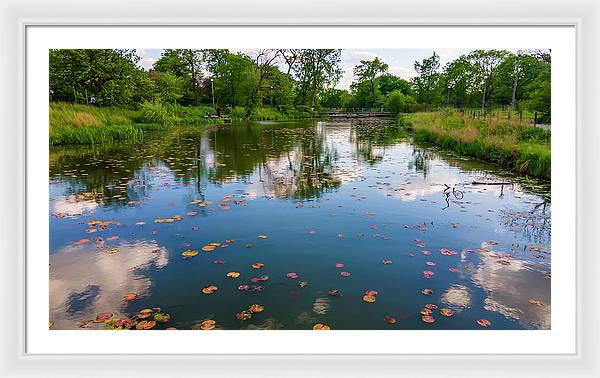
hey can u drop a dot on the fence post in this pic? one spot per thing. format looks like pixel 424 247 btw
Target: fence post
pixel 534 119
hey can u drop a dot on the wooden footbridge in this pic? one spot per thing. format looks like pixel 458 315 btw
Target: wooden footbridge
pixel 355 113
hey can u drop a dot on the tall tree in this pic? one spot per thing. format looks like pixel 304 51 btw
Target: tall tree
pixel 264 60
pixel 486 62
pixel 185 63
pixel 107 75
pixel 317 69
pixel 368 70
pixel 426 84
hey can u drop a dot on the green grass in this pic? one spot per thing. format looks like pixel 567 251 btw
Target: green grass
pixel 521 148
pixel 81 124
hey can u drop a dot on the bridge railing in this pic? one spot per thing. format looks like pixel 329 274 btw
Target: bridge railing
pixel 354 110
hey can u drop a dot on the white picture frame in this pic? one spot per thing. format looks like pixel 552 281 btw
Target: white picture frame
pixel 584 16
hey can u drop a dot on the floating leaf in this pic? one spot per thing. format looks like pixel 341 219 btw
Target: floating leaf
pixel 302 283
pixel 145 324
pixel 208 325
pixel 425 311
pixel 263 236
pixel 369 298
pixel 428 274
pixel 140 223
pixel 129 297
pixel 321 327
pixel 484 322
pixel 339 265
pixel 312 232
pixel 446 312
pixel 256 308
pixel 371 292
pixel 162 317
pixel 345 274
pixel 209 289
pixel 189 253
pixel 101 318
pixel 145 313
pixel 111 251
pixel 447 252
pixel 258 265
pixel 428 319
pixel 233 274
pixel 243 287
pixel 219 262
pixel 208 248
pixel 431 306
pixel 166 220
pixel 244 315
pixel 536 302
pixel 389 320
pixel 387 262
pixel 292 275
pixel 334 292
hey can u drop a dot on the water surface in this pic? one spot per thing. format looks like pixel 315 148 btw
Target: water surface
pixel 319 194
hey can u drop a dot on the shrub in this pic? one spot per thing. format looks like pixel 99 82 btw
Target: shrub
pixel 396 102
pixel 534 134
pixel 158 112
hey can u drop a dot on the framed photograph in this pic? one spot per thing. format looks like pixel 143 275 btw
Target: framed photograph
pixel 200 191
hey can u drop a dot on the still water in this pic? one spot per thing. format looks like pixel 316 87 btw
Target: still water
pixel 346 224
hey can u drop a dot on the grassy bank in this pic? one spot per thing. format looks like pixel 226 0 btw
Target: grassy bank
pixel 80 124
pixel 521 148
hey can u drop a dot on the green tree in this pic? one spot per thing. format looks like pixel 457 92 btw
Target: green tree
pixel 170 87
pixel 315 70
pixel 426 84
pixel 388 83
pixel 368 70
pixel 396 102
pixel 184 63
pixel 234 77
pixel 485 63
pixel 109 76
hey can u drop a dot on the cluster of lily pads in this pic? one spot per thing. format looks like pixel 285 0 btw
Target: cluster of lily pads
pixel 143 320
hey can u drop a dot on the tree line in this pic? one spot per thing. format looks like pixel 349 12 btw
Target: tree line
pixel 482 79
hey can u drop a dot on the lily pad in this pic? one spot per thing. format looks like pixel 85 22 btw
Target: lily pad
pixel 145 324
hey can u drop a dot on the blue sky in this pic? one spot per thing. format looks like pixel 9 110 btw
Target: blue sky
pixel 400 61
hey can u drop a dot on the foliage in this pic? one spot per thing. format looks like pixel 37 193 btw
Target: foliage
pixel 104 76
pixel 426 84
pixel 315 70
pixel 500 141
pixel 396 102
pixel 158 112
pixel 187 65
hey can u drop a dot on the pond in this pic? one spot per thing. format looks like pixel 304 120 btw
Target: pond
pixel 348 224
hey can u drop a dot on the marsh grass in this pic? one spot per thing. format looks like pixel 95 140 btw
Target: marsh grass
pixel 514 145
pixel 81 124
